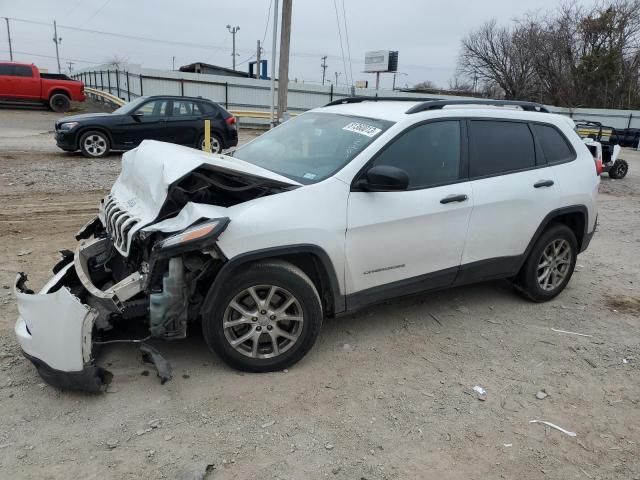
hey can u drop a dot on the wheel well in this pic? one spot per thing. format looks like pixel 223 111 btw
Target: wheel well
pixel 96 129
pixel 575 221
pixel 63 92
pixel 313 266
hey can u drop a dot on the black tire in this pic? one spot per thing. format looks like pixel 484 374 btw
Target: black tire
pixel 619 169
pixel 527 281
pixel 283 276
pixel 216 143
pixel 59 102
pixel 94 144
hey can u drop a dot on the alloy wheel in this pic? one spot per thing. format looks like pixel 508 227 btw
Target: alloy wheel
pixel 263 321
pixel 554 264
pixel 95 145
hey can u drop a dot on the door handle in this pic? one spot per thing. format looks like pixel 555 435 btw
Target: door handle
pixel 543 183
pixel 454 198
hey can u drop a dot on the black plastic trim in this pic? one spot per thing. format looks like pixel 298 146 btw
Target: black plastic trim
pixel 430 281
pixel 90 379
pixel 327 270
pixel 439 104
pixel 490 269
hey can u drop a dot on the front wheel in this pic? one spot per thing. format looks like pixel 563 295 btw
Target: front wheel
pixel 94 144
pixel 550 264
pixel 264 318
pixel 619 169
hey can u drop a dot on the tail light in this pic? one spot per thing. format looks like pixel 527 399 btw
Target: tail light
pixel 231 121
pixel 598 162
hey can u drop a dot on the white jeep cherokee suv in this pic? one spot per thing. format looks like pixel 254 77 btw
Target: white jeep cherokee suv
pixel 343 206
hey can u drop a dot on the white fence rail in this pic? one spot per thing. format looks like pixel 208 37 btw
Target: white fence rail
pixel 131 81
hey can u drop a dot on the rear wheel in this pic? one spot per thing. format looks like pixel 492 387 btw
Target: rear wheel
pixel 59 102
pixel 216 143
pixel 94 144
pixel 619 169
pixel 263 319
pixel 550 264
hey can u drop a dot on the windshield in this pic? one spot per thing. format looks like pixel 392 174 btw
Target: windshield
pixel 129 107
pixel 312 146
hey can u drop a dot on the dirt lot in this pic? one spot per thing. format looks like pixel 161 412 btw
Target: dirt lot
pixel 385 394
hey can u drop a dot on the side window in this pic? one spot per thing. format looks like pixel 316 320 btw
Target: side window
pixel 429 153
pixel 497 147
pixel 554 145
pixel 185 108
pixel 154 108
pixel 22 71
pixel 6 69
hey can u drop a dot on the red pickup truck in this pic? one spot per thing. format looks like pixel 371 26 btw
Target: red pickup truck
pixel 24 82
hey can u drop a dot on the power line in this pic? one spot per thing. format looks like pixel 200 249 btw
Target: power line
pixel 53 56
pixel 266 27
pixel 344 63
pixel 346 34
pixel 97 12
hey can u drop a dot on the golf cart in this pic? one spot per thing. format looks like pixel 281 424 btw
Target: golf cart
pixel 603 144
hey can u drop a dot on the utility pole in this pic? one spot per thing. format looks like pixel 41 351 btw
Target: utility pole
pixel 173 62
pixel 324 68
pixel 283 67
pixel 273 63
pixel 233 32
pixel 9 36
pixel 57 40
pixel 71 64
pixel 258 52
pixel 337 75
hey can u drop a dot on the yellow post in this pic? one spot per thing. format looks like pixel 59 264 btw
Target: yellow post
pixel 207 136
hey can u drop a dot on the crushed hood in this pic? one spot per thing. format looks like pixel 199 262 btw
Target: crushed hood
pixel 150 169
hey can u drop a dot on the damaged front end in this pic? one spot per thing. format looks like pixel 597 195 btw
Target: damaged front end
pixel 142 268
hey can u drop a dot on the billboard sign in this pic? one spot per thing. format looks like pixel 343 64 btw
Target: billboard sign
pixel 376 61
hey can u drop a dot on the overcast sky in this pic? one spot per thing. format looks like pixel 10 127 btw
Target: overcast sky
pixel 426 33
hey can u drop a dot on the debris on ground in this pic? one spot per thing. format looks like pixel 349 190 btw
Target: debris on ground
pixel 552 425
pixel 329 446
pixel 194 471
pixel 571 333
pixel 542 394
pixel 23 253
pixel 270 423
pixel 481 393
pixel 163 367
pixel 112 443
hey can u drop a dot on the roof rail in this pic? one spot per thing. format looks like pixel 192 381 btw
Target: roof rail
pixel 346 100
pixel 439 104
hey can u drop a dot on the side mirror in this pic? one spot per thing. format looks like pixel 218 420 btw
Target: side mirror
pixel 137 116
pixel 385 178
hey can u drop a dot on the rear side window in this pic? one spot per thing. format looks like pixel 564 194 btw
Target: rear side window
pixel 554 145
pixel 498 147
pixel 6 69
pixel 22 71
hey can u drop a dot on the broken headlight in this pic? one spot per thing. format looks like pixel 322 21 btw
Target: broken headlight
pixel 201 234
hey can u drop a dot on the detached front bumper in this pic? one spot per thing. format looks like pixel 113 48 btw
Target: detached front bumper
pixel 54 329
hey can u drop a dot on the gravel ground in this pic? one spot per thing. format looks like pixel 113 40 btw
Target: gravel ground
pixel 385 393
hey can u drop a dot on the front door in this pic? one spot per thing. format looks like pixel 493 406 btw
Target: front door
pixel 405 241
pixel 148 122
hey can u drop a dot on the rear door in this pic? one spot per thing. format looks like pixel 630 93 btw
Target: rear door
pixel 513 190
pixel 405 241
pixel 184 123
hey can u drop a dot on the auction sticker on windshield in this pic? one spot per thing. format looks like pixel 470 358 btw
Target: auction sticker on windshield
pixel 362 129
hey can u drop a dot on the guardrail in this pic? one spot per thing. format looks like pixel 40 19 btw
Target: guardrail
pixel 104 96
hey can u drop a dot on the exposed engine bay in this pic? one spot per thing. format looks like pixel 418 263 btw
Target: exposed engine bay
pixel 129 268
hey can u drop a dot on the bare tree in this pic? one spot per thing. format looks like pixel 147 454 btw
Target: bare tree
pixel 426 85
pixel 116 60
pixel 494 54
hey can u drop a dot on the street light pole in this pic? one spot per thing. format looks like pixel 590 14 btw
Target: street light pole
pixel 337 75
pixel 233 32
pixel 283 65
